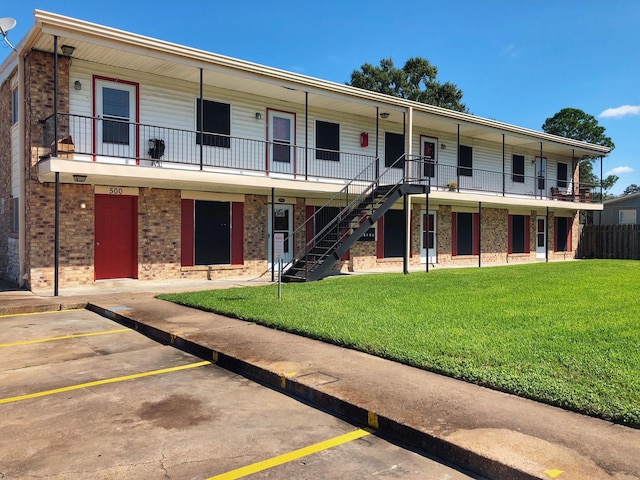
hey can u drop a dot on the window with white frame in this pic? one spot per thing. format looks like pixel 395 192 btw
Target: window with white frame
pixel 627 216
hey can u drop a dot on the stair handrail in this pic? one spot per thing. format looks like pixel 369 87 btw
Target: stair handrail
pixel 348 208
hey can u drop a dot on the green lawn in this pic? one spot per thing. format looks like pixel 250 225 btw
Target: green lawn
pixel 563 333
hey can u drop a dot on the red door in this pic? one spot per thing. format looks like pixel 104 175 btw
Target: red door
pixel 115 237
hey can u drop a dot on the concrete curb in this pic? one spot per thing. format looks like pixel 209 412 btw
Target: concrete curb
pixel 462 457
pixel 26 309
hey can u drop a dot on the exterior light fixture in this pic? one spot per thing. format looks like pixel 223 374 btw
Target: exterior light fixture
pixel 83 204
pixel 77 85
pixel 258 116
pixel 384 115
pixel 79 178
pixel 67 50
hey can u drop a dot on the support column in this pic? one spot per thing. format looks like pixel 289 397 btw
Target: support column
pixel 503 167
pixel 546 250
pixel 458 160
pixel 427 227
pixel 273 243
pixel 201 130
pixel 56 235
pixel 407 234
pixel 479 234
pixel 306 135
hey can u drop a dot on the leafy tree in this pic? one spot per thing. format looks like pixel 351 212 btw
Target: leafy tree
pixel 416 80
pixel 578 125
pixel 633 188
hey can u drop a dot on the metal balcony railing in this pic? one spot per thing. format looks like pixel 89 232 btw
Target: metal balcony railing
pixel 120 142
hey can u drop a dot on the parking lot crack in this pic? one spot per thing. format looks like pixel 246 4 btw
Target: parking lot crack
pixel 162 460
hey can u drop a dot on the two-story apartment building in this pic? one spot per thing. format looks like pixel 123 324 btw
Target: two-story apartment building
pixel 125 156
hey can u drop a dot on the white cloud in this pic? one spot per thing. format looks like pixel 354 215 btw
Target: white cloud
pixel 510 51
pixel 619 170
pixel 622 111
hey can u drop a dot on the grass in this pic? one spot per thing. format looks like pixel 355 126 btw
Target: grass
pixel 564 333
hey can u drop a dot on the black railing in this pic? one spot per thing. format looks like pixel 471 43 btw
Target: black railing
pixel 116 141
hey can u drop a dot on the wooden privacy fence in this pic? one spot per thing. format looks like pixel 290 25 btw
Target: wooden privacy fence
pixel 609 241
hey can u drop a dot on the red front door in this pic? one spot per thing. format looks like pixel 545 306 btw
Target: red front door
pixel 115 248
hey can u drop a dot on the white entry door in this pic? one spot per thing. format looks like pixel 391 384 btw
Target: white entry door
pixel 428 237
pixel 116 128
pixel 282 223
pixel 541 237
pixel 281 139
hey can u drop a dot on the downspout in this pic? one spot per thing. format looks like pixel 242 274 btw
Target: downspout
pixel 56 238
pixel 24 163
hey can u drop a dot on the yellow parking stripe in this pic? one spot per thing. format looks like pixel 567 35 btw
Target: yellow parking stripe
pixel 103 382
pixel 64 337
pixel 41 313
pixel 288 457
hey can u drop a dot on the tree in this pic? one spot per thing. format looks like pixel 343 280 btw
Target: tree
pixel 578 125
pixel 416 80
pixel 633 188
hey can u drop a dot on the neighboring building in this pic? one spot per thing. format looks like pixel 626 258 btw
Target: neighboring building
pixel 621 210
pixel 170 162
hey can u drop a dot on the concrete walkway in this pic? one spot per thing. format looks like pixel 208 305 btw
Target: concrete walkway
pixel 494 434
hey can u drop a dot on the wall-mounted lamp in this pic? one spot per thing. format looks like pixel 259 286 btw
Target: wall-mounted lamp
pixel 258 116
pixel 443 146
pixel 67 50
pixel 384 115
pixel 83 204
pixel 79 178
pixel 77 85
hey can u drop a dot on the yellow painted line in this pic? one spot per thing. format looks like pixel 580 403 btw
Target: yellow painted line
pixel 64 337
pixel 41 313
pixel 289 457
pixel 554 473
pixel 103 382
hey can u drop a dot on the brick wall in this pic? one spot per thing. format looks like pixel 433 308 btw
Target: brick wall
pixel 5 182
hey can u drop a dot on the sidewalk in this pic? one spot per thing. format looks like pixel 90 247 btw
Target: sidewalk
pixel 491 433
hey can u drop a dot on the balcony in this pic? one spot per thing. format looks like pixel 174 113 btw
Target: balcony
pixel 114 142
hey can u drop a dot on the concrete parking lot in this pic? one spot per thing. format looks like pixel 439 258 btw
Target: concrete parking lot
pixel 83 397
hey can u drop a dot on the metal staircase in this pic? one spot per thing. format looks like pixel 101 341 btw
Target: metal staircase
pixel 360 203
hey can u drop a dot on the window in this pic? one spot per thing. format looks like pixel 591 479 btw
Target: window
pixel 393 150
pixel 15 213
pixel 465 161
pixel 115 111
pixel 627 216
pixel 562 175
pixel 15 107
pixel 519 234
pixel 518 168
pixel 465 227
pixel 212 233
pixel 327 141
pixel 216 124
pixel 563 234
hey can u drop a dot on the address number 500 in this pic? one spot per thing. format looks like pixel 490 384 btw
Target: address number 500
pixel 115 191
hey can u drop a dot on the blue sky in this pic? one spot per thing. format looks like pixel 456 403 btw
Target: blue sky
pixel 517 61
